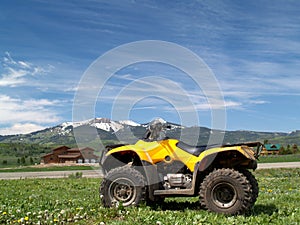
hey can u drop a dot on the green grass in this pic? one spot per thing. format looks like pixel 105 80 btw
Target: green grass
pixel 12 161
pixel 76 201
pixel 279 158
pixel 51 168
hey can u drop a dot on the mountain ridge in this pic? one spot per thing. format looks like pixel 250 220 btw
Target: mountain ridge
pixel 129 131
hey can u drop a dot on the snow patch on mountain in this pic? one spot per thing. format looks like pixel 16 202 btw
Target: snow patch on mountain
pixel 129 123
pixel 74 124
pixel 110 126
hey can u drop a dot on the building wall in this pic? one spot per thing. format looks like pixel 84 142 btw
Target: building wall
pixel 50 158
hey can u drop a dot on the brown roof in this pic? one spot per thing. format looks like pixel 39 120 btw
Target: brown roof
pixel 68 156
pixel 61 147
pixel 79 149
pixel 73 150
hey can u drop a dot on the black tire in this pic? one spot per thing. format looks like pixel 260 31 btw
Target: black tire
pixel 254 185
pixel 226 191
pixel 123 185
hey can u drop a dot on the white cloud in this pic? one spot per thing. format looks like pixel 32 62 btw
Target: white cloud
pixel 13 110
pixel 21 128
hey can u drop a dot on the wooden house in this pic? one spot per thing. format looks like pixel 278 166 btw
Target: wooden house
pixel 271 149
pixel 65 154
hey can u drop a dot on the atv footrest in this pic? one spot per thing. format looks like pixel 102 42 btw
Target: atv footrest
pixel 174 192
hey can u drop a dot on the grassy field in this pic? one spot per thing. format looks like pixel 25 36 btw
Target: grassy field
pixel 12 161
pixel 76 201
pixel 279 158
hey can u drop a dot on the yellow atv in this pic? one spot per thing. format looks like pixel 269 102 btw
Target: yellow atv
pixel 155 168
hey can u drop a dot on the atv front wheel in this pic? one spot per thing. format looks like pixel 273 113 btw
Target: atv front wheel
pixel 226 191
pixel 123 185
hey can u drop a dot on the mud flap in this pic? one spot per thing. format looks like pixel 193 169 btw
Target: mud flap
pixel 152 179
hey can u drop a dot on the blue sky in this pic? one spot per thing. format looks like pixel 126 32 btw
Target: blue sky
pixel 252 47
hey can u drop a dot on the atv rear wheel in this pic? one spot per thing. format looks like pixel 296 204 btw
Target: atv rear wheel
pixel 123 185
pixel 254 185
pixel 226 191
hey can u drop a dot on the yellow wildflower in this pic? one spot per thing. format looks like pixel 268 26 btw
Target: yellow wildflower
pixel 4 213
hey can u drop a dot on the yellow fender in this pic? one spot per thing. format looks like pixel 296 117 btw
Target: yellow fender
pixel 167 151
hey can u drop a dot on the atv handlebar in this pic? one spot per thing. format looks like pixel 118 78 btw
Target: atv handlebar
pixel 155 130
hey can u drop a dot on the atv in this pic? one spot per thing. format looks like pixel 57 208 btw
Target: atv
pixel 157 167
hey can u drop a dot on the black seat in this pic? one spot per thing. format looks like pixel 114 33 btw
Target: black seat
pixel 194 150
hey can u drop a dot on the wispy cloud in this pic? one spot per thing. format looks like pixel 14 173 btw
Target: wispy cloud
pixel 259 79
pixel 205 106
pixel 15 72
pixel 161 92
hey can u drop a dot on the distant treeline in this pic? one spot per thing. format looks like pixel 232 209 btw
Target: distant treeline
pixel 289 149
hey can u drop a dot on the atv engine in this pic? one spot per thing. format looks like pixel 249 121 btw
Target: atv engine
pixel 177 181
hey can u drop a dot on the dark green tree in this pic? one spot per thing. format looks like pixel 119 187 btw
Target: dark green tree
pixel 288 149
pixel 23 160
pixel 295 149
pixel 282 150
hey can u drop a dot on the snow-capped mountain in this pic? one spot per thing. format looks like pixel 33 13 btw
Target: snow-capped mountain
pixel 100 123
pixel 108 124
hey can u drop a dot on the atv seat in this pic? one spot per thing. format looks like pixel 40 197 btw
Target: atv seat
pixel 194 150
